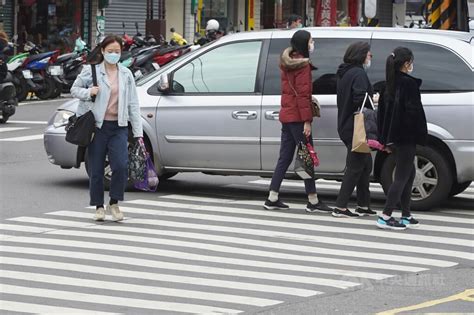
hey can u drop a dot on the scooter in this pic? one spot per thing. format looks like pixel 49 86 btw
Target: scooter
pixel 71 64
pixel 14 67
pixel 39 71
pixel 8 101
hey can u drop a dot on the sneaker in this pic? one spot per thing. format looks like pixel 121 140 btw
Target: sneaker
pixel 344 213
pixel 275 205
pixel 365 212
pixel 409 222
pixel 115 211
pixel 319 207
pixel 99 214
pixel 390 224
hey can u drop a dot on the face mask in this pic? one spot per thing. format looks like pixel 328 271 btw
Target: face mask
pixel 311 48
pixel 299 25
pixel 367 65
pixel 112 58
pixel 410 70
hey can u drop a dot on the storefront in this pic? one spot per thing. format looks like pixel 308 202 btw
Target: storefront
pixel 53 24
pixel 275 13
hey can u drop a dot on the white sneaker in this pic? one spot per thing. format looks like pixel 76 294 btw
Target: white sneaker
pixel 99 214
pixel 115 211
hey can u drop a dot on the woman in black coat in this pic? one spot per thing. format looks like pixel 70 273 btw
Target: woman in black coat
pixel 401 126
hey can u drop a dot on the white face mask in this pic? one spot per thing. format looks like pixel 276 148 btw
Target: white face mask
pixel 311 48
pixel 367 65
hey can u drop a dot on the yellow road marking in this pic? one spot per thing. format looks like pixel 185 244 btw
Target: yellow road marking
pixel 465 296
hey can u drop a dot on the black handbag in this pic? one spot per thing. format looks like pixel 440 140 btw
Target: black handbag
pixel 80 130
pixel 304 164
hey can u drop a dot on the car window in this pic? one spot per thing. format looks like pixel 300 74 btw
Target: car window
pixel 440 69
pixel 230 68
pixel 327 57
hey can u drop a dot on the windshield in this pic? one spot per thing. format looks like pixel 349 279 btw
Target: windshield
pixel 146 78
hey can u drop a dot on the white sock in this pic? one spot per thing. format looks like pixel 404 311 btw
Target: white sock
pixel 273 196
pixel 313 199
pixel 385 217
pixel 363 208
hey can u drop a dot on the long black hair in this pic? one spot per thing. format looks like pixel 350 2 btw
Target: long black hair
pixel 395 62
pixel 356 53
pixel 96 56
pixel 299 42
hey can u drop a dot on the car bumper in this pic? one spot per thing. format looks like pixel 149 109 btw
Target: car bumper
pixel 59 151
pixel 463 153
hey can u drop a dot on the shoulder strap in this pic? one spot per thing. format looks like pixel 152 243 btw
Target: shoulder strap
pixel 94 79
pixel 291 85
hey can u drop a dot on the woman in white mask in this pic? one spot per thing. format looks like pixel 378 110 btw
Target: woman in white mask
pixel 115 105
pixel 401 126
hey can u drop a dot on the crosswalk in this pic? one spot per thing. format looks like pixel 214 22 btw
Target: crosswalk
pixel 334 186
pixel 181 253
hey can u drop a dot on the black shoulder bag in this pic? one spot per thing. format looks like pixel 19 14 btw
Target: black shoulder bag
pixel 80 130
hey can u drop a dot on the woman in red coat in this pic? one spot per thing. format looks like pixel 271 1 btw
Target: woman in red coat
pixel 295 116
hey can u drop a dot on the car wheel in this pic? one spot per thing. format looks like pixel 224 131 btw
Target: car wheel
pixel 459 188
pixel 433 179
pixel 48 88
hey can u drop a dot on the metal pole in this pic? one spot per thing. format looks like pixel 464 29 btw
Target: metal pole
pixel 15 22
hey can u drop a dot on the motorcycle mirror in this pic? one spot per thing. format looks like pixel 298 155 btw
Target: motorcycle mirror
pixel 163 84
pixel 15 37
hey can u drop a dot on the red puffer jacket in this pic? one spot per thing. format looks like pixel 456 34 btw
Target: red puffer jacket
pixel 296 88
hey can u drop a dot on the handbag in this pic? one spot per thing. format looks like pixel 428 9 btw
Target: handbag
pixel 136 162
pixel 304 164
pixel 80 130
pixel 312 153
pixel 148 177
pixel 315 107
pixel 359 137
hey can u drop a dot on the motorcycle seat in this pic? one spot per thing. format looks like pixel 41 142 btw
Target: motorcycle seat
pixel 66 57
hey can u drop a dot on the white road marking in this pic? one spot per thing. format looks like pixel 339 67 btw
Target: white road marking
pixel 21 307
pixel 128 287
pixel 25 138
pixel 127 273
pixel 8 129
pixel 32 122
pixel 111 300
pixel 306 226
pixel 423 227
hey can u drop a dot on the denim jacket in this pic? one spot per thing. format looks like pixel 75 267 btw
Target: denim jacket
pixel 128 107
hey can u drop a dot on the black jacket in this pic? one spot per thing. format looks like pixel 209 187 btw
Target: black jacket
pixel 401 118
pixel 352 84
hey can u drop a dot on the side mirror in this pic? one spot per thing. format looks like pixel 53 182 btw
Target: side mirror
pixel 163 84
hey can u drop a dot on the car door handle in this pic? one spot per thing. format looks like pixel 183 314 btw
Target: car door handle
pixel 272 115
pixel 244 115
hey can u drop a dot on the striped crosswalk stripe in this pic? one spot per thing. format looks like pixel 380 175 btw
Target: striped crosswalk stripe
pixel 194 254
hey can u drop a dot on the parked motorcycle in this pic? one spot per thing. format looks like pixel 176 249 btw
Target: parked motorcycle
pixel 39 71
pixel 71 64
pixel 14 67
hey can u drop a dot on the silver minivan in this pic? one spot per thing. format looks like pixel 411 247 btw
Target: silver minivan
pixel 215 110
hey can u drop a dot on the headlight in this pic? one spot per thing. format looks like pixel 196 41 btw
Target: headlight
pixel 61 118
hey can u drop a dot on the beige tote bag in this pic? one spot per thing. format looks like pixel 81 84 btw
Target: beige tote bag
pixel 359 138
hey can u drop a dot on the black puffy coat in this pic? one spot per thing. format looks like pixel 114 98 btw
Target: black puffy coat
pixel 401 118
pixel 352 84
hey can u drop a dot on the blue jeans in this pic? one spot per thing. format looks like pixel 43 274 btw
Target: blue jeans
pixel 291 135
pixel 109 140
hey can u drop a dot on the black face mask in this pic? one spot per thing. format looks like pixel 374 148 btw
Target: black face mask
pixel 299 42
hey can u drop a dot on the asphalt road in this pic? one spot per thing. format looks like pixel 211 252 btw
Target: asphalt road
pixel 203 244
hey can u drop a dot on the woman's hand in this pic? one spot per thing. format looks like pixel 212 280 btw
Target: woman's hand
pixel 307 129
pixel 94 90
